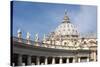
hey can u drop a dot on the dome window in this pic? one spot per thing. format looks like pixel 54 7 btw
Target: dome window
pixel 65 43
pixel 68 25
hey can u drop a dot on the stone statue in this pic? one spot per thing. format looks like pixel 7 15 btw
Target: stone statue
pixel 36 37
pixel 28 36
pixel 19 33
pixel 44 38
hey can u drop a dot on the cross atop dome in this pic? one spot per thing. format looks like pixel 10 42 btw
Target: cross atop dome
pixel 65 12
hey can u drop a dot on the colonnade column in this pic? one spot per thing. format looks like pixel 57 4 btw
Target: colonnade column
pixel 67 60
pixel 19 60
pixel 46 60
pixel 60 60
pixel 74 59
pixel 29 60
pixel 53 60
pixel 87 59
pixel 79 60
pixel 37 60
pixel 13 64
pixel 94 56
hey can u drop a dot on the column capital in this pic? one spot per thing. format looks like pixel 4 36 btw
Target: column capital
pixel 20 54
pixel 38 56
pixel 53 56
pixel 46 56
pixel 60 57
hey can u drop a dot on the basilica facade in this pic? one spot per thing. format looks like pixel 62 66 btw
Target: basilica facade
pixel 63 45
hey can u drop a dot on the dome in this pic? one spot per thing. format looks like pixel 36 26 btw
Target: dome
pixel 66 28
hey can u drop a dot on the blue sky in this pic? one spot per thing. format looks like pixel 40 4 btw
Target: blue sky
pixel 43 18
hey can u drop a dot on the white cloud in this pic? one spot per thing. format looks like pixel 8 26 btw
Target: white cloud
pixel 86 19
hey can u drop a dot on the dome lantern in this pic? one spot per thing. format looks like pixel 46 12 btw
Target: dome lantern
pixel 66 18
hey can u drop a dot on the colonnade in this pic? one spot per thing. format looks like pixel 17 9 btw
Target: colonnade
pixel 44 60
